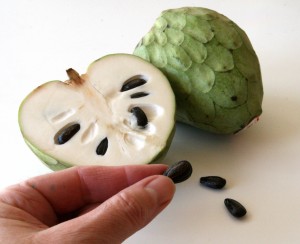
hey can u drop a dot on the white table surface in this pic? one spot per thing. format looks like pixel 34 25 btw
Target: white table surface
pixel 41 39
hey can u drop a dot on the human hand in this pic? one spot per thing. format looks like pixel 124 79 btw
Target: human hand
pixel 91 204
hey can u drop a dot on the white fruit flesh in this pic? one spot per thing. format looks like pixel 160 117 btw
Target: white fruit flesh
pixel 102 111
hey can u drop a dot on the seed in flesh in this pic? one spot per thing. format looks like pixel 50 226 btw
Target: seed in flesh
pixel 179 171
pixel 133 83
pixel 235 208
pixel 139 94
pixel 215 182
pixel 66 133
pixel 141 117
pixel 102 147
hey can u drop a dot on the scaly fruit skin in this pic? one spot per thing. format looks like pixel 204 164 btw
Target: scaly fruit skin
pixel 211 66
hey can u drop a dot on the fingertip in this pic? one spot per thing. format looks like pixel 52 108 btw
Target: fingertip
pixel 130 209
pixel 162 188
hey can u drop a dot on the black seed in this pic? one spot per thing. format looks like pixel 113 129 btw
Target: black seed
pixel 215 182
pixel 133 83
pixel 141 117
pixel 179 171
pixel 66 133
pixel 234 98
pixel 139 94
pixel 235 208
pixel 102 147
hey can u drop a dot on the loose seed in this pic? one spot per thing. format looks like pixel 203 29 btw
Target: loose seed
pixel 141 117
pixel 139 94
pixel 133 83
pixel 179 171
pixel 215 182
pixel 235 208
pixel 66 133
pixel 102 147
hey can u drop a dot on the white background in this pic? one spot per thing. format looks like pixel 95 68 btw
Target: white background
pixel 41 39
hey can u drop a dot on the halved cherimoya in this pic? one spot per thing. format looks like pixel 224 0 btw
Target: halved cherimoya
pixel 122 111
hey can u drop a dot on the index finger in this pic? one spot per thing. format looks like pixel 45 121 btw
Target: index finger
pixel 71 189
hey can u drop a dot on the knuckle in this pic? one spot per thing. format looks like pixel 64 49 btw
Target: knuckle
pixel 135 211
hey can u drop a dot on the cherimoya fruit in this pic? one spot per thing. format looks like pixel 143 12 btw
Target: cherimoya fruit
pixel 121 111
pixel 211 65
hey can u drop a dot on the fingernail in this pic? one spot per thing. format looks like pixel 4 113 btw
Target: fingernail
pixel 162 188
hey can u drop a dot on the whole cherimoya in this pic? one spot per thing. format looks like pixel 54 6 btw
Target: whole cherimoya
pixel 121 111
pixel 211 65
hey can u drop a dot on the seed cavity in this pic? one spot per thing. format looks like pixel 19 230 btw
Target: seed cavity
pixel 215 182
pixel 179 171
pixel 66 133
pixel 102 147
pixel 138 141
pixel 133 83
pixel 141 117
pixel 62 116
pixel 139 94
pixel 235 208
pixel 90 133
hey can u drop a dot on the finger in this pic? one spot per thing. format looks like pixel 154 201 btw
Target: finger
pixel 120 216
pixel 65 191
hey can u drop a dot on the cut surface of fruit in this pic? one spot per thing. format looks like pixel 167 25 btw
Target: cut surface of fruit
pixel 120 112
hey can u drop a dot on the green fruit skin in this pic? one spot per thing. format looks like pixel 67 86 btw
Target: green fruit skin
pixel 49 161
pixel 211 66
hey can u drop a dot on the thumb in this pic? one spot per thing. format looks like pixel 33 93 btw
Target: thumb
pixel 120 216
pixel 133 208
